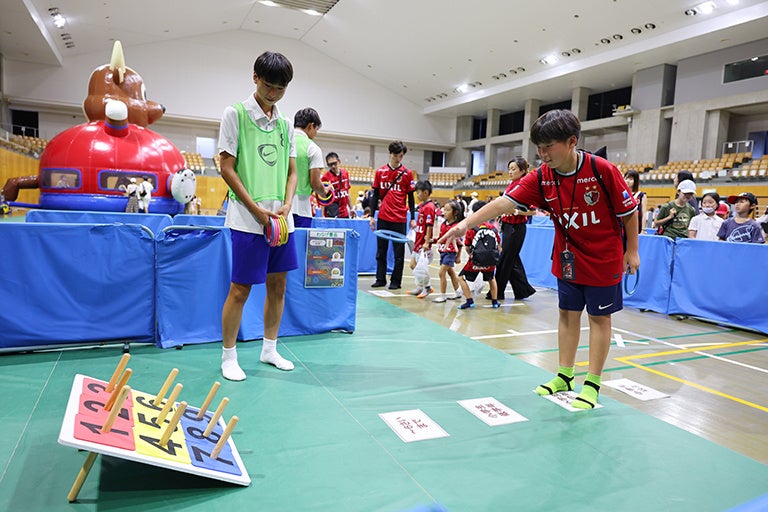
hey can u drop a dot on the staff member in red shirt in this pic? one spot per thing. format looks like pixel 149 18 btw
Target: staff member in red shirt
pixel 339 180
pixel 392 184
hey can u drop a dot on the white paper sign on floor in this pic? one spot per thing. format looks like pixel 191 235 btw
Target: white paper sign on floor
pixel 491 411
pixel 634 389
pixel 564 400
pixel 382 293
pixel 413 425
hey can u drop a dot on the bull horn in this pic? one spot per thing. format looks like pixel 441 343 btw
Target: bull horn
pixel 118 61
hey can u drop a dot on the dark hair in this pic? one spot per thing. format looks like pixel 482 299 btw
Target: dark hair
pixel 555 126
pixel 458 207
pixel 713 195
pixel 478 205
pixel 305 117
pixel 635 179
pixel 397 147
pixel 332 155
pixel 684 175
pixel 274 68
pixel 424 185
pixel 521 162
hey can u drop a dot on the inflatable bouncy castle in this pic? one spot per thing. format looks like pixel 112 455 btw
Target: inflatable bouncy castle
pixel 90 166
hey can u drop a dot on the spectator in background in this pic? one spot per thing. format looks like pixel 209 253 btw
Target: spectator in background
pixel 132 191
pixel 472 201
pixel 359 202
pixel 145 194
pixel 705 225
pixel 742 227
pixel 339 180
pixel 675 216
pixel 681 177
pixel 309 166
pixel 632 177
pixel 763 221
pixel 723 211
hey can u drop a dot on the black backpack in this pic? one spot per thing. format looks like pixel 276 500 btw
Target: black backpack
pixel 485 249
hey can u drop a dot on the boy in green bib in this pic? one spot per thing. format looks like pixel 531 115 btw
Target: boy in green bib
pixel 258 163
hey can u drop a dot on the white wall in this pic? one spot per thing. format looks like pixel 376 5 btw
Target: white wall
pixel 197 77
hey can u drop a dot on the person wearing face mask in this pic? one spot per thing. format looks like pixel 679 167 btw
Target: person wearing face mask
pixel 706 224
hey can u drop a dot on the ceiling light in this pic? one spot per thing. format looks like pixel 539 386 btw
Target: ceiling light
pixel 617 37
pixel 549 59
pixel 59 21
pixel 565 54
pixel 690 12
pixel 649 26
pixel 311 12
pixel 521 69
pixel 462 88
pixel 636 31
pixel 605 40
pixel 575 50
pixel 706 7
pixel 733 2
pixel 268 3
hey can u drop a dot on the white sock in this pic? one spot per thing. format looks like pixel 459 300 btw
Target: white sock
pixel 229 367
pixel 269 355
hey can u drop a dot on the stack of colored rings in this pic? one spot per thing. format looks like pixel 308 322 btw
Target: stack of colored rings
pixel 329 199
pixel 276 232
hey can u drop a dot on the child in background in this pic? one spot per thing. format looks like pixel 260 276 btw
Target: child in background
pixel 424 225
pixel 471 270
pixel 450 254
pixel 742 227
pixel 706 224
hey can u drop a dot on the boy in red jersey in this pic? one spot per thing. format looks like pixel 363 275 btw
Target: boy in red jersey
pixel 392 184
pixel 339 180
pixel 592 206
pixel 472 268
pixel 424 228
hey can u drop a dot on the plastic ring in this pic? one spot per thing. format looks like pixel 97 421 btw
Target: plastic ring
pixel 626 282
pixel 283 230
pixel 272 232
pixel 329 199
pixel 392 236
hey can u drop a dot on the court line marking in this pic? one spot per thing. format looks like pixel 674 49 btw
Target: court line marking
pixel 626 360
pixel 513 333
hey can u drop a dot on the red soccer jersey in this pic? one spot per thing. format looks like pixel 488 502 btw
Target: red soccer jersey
pixel 470 266
pixel 394 205
pixel 426 218
pixel 590 220
pixel 341 187
pixel 452 247
pixel 514 219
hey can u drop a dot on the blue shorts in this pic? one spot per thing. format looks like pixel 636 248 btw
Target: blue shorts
pixel 600 300
pixel 448 258
pixel 253 258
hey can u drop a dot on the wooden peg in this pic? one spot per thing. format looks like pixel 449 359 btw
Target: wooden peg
pixel 171 400
pixel 223 439
pixel 81 476
pixel 118 371
pixel 216 416
pixel 122 395
pixel 208 399
pixel 163 390
pixel 120 385
pixel 172 425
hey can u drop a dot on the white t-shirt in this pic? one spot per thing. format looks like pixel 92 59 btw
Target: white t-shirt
pixel 146 187
pixel 301 205
pixel 706 227
pixel 238 216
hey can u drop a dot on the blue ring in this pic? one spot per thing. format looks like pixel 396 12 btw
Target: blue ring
pixel 626 282
pixel 392 236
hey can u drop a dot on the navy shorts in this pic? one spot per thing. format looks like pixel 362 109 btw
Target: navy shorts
pixel 448 258
pixel 471 276
pixel 253 258
pixel 599 300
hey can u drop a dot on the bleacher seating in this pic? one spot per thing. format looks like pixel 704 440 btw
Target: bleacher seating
pixel 25 144
pixel 445 179
pixel 194 161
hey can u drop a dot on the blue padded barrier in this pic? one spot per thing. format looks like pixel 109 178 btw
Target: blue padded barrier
pixel 154 221
pixel 537 256
pixel 652 293
pixel 702 268
pixel 198 220
pixel 76 283
pixel 193 274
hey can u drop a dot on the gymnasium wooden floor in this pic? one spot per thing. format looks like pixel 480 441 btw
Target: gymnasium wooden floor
pixel 715 375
